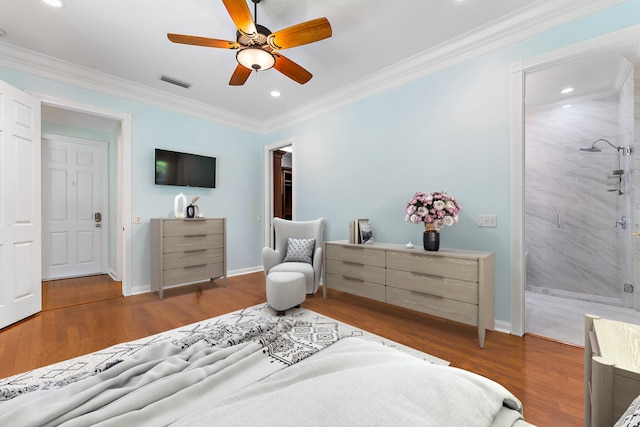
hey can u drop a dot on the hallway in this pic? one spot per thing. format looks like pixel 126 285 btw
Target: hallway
pixel 79 290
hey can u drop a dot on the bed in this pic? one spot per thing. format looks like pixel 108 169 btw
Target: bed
pixel 254 368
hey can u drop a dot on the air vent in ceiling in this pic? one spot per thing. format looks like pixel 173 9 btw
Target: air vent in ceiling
pixel 175 82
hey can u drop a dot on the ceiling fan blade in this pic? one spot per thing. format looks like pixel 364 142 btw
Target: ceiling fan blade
pixel 202 41
pixel 241 15
pixel 297 35
pixel 240 76
pixel 291 69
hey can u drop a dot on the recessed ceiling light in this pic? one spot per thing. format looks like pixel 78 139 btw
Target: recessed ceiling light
pixel 566 90
pixel 566 106
pixel 275 93
pixel 54 3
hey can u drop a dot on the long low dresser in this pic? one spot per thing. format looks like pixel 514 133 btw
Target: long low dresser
pixel 187 250
pixel 454 284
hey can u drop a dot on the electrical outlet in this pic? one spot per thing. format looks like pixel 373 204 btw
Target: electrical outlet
pixel 487 221
pixel 136 219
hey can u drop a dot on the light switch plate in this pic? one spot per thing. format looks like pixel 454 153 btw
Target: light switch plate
pixel 136 219
pixel 487 221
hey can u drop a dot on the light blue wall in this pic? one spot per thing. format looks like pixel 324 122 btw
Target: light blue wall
pixel 239 194
pixel 448 131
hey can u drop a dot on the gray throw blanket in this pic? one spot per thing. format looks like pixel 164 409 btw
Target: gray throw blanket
pixel 168 380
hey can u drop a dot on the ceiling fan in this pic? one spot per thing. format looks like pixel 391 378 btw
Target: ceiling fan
pixel 258 48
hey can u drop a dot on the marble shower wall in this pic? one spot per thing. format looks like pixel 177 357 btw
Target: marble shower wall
pixel 573 246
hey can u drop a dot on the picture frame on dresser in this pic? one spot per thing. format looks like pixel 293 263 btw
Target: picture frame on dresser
pixel 365 233
pixel 360 231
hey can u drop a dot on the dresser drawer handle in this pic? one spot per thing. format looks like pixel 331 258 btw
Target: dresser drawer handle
pixel 358 248
pixel 190 251
pixel 357 264
pixel 195 266
pixel 427 295
pixel 425 275
pixel 195 235
pixel 351 279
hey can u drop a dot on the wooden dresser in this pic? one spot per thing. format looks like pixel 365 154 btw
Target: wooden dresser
pixel 451 283
pixel 187 250
pixel 611 369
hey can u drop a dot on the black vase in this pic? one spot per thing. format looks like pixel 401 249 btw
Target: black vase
pixel 431 240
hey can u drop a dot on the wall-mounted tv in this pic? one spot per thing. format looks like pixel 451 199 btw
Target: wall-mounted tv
pixel 184 169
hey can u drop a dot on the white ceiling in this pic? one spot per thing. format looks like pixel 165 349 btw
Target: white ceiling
pixel 374 43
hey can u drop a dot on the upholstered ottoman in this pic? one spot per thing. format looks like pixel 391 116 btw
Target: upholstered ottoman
pixel 285 290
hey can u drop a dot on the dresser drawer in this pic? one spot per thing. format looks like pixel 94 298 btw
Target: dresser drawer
pixel 192 242
pixel 434 265
pixel 455 289
pixel 193 273
pixel 358 287
pixel 353 270
pixel 356 254
pixel 195 257
pixel 192 227
pixel 437 306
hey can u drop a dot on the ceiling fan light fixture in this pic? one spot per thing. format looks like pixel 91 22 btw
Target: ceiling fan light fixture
pixel 255 58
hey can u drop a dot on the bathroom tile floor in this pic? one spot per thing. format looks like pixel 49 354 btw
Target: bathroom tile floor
pixel 562 319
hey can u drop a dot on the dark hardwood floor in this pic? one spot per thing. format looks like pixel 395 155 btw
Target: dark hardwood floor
pixel 546 376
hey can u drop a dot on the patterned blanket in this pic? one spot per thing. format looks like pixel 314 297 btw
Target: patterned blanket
pixel 72 370
pixel 158 379
pixel 165 381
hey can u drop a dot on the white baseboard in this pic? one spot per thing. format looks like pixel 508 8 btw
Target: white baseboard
pixel 143 289
pixel 501 326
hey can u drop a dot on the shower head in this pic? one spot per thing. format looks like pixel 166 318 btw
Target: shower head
pixel 591 149
pixel 594 149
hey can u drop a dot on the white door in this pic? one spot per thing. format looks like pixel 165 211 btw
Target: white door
pixel 20 223
pixel 72 207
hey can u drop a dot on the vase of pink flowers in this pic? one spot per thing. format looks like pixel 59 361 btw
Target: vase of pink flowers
pixel 435 210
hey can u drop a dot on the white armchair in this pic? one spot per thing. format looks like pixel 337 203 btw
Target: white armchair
pixel 279 260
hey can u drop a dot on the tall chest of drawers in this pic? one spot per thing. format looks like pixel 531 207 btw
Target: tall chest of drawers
pixel 452 283
pixel 186 251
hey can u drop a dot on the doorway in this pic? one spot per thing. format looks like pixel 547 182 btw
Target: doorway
pixel 75 120
pixel 283 183
pixel 559 180
pixel 279 185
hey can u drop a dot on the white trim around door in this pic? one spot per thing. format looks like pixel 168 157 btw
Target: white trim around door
pixel 268 186
pixel 519 71
pixel 123 181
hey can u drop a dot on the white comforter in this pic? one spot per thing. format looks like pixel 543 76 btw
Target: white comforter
pixel 360 383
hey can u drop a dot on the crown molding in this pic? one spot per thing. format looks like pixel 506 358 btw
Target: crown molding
pixel 536 18
pixel 55 69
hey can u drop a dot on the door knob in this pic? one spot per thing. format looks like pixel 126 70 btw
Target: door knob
pixel 97 216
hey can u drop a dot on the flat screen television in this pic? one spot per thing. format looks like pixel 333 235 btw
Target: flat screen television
pixel 184 169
